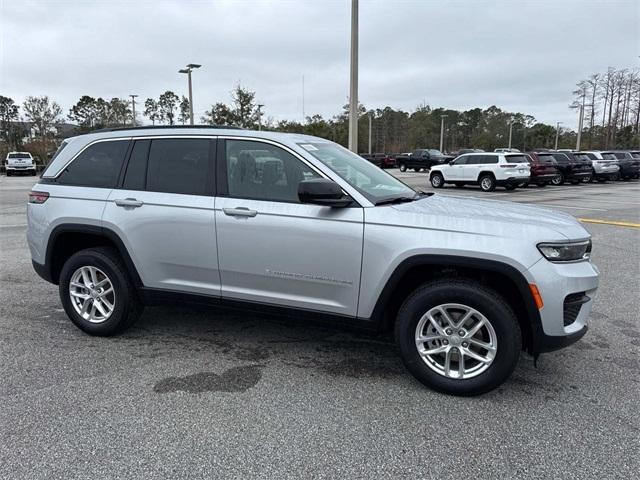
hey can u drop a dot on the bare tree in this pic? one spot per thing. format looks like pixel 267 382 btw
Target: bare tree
pixel 43 112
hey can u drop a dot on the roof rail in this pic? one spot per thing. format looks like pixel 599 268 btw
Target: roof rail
pixel 160 127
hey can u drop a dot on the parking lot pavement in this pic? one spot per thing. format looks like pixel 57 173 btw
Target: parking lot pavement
pixel 192 393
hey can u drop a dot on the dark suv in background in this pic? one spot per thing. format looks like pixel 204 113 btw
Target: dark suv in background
pixel 629 165
pixel 544 169
pixel 382 160
pixel 571 169
pixel 422 158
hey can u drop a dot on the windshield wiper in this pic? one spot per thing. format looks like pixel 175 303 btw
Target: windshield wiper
pixel 389 201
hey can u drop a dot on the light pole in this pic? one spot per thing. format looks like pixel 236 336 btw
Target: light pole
pixel 510 133
pixel 580 121
pixel 260 105
pixel 188 70
pixel 442 117
pixel 353 90
pixel 133 107
pixel 557 134
pixel 369 133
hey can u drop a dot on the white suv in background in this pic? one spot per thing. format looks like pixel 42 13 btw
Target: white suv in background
pixel 485 169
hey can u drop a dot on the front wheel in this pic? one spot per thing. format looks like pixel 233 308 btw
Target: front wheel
pixel 487 183
pixel 97 293
pixel 403 167
pixel 458 337
pixel 437 180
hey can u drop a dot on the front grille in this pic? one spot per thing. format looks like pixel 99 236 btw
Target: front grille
pixel 572 305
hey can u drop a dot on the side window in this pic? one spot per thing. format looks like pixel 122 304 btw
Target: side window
pixel 463 160
pixel 489 159
pixel 179 165
pixel 97 166
pixel 261 171
pixel 135 178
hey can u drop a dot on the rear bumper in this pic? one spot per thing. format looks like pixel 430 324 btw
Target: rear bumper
pixel 544 177
pixel 579 175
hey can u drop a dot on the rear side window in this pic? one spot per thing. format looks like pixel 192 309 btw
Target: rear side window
pixel 178 165
pixel 484 159
pixel 98 166
pixel 516 159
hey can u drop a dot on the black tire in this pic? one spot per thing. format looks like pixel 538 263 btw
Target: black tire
pixel 437 180
pixel 601 179
pixel 8 173
pixel 487 183
pixel 510 187
pixel 523 185
pixel 127 306
pixel 474 295
pixel 559 180
pixel 416 169
pixel 402 167
pixel 459 184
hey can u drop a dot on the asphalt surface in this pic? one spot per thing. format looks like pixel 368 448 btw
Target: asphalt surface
pixel 193 393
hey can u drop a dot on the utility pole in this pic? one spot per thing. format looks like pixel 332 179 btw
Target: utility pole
pixel 303 115
pixel 510 132
pixel 188 70
pixel 557 134
pixel 353 90
pixel 369 133
pixel 442 117
pixel 133 107
pixel 260 105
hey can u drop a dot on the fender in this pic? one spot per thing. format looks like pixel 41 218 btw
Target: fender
pixel 110 235
pixel 493 266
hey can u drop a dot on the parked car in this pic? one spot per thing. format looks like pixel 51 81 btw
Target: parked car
pixel 506 150
pixel 603 169
pixel 629 165
pixel 19 163
pixel 422 158
pixel 485 169
pixel 544 169
pixel 570 168
pixel 182 214
pixel 382 160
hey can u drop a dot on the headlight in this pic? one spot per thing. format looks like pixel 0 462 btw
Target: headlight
pixel 566 252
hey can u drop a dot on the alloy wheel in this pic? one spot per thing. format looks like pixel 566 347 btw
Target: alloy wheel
pixel 92 294
pixel 456 341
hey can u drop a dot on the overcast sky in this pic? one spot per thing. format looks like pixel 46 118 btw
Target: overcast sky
pixel 519 55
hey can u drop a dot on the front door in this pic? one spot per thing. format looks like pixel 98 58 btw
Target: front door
pixel 273 249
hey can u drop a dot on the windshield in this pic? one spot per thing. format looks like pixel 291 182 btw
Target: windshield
pixel 372 182
pixel 19 155
pixel 635 154
pixel 609 156
pixel 582 156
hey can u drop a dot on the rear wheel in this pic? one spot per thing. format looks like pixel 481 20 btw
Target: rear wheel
pixel 558 180
pixel 97 293
pixel 487 183
pixel 437 180
pixel 458 337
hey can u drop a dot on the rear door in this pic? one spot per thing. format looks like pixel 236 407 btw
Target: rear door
pixel 272 248
pixel 163 211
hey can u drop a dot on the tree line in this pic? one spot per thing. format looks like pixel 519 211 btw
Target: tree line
pixel 610 101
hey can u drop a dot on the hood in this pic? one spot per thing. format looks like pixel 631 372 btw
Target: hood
pixel 486 217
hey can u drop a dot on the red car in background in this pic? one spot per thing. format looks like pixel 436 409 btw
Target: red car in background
pixel 544 168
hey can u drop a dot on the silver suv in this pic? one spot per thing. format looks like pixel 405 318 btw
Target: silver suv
pixel 299 226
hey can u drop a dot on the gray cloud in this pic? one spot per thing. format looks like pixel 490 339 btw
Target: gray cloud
pixel 520 55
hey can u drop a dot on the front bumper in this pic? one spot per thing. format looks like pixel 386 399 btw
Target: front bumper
pixel 555 282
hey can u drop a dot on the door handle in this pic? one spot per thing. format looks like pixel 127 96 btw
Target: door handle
pixel 128 202
pixel 239 212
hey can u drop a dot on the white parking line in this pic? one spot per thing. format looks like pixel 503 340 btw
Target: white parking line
pixel 566 206
pixel 14 226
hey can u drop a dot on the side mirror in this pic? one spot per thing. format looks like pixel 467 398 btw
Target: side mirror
pixel 322 191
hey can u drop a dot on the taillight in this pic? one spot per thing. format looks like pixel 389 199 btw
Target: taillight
pixel 38 197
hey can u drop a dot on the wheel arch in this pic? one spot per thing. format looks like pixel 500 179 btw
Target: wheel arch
pixel 502 277
pixel 69 238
